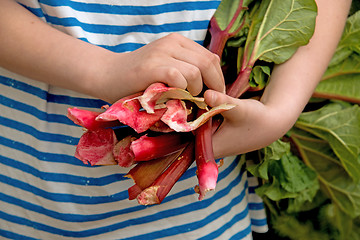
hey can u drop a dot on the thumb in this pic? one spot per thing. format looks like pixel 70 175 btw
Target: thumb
pixel 243 107
pixel 214 98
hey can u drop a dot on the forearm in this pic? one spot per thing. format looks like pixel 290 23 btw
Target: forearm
pixel 36 50
pixel 293 82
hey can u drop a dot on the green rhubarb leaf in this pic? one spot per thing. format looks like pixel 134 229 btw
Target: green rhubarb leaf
pixel 355 231
pixel 308 199
pixel 290 178
pixel 226 11
pixel 274 191
pixel 334 179
pixel 255 19
pixel 287 176
pixel 342 81
pixel 294 175
pixel 259 77
pixel 340 126
pixel 273 152
pixel 350 65
pixel 349 42
pixel 285 26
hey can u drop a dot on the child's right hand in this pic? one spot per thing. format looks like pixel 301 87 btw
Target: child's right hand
pixel 174 60
pixel 64 61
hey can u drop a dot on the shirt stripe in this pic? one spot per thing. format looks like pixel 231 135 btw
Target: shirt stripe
pixel 49 194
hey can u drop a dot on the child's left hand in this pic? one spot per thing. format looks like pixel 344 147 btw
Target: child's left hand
pixel 249 126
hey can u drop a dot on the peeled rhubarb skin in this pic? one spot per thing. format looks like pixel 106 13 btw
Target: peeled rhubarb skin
pixel 122 153
pixel 87 119
pixel 127 111
pixel 96 147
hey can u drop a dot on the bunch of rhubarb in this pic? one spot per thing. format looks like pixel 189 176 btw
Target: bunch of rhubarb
pixel 161 130
pixel 151 130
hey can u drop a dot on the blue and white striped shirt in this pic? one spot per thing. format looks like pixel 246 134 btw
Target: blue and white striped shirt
pixel 46 193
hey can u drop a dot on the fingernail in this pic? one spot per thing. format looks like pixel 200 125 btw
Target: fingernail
pixel 212 97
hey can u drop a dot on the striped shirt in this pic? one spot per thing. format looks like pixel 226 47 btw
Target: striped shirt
pixel 46 193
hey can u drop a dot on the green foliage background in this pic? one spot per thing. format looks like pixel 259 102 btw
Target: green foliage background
pixel 312 191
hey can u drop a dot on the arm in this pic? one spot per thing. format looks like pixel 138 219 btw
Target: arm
pixel 255 124
pixel 36 50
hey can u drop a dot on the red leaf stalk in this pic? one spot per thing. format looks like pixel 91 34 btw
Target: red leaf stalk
pixel 207 168
pixel 241 84
pixel 146 148
pixel 156 193
pixel 145 173
pixel 87 119
pixel 219 37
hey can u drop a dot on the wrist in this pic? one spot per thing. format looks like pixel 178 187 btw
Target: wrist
pixel 111 77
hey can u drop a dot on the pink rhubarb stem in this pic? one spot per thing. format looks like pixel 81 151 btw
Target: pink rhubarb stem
pixel 156 193
pixel 87 119
pixel 241 84
pixel 219 37
pixel 146 148
pixel 145 173
pixel 207 168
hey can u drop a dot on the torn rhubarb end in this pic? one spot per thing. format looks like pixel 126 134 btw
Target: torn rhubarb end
pixel 149 196
pixel 207 168
pixel 207 177
pixel 146 148
pixel 87 119
pixel 159 189
pixel 96 147
pixel 145 120
pixel 122 152
pixel 145 173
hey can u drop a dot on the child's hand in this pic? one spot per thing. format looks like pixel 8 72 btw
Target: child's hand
pixel 64 61
pixel 249 126
pixel 174 60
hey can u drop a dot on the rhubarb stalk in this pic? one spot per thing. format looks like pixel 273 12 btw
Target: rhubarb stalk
pixel 158 190
pixel 219 37
pixel 207 168
pixel 146 148
pixel 145 173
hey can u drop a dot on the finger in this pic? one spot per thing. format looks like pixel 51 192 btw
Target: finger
pixel 214 98
pixel 208 63
pixel 180 74
pixel 171 76
pixel 193 77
